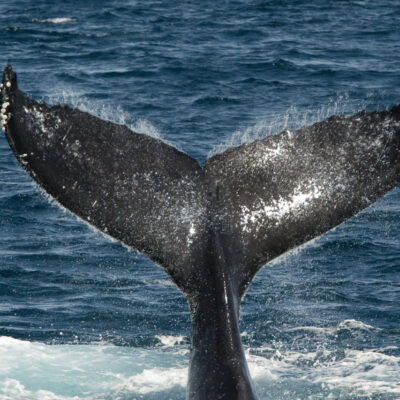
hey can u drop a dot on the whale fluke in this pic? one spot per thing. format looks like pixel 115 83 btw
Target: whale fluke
pixel 130 186
pixel 213 227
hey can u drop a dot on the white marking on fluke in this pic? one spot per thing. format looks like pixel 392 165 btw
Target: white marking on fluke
pixel 277 209
pixel 192 232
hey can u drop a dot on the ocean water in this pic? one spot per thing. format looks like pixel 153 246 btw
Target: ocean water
pixel 83 318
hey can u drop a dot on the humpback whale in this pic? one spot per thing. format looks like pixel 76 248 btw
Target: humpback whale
pixel 213 227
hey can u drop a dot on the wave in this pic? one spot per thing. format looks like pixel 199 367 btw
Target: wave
pixel 55 21
pixel 216 100
pixel 348 324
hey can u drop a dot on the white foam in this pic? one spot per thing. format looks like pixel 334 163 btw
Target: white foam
pixel 34 371
pixel 153 380
pixel 362 372
pixel 354 324
pixel 12 389
pixel 30 370
pixel 356 372
pixel 349 324
pixel 56 21
pixel 170 341
pixel 163 282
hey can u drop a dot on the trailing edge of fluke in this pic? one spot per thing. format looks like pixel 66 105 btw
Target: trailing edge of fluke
pixel 213 227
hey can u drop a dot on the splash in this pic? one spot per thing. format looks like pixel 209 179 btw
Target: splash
pixel 293 118
pixel 33 371
pixel 116 114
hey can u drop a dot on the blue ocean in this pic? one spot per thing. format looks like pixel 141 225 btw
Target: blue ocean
pixel 84 318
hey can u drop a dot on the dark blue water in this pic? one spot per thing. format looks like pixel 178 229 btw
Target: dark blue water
pixel 80 315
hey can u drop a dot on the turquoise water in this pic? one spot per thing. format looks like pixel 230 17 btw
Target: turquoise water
pixel 84 318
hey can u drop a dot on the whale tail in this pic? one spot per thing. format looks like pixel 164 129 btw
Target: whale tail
pixel 211 228
pixel 268 196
